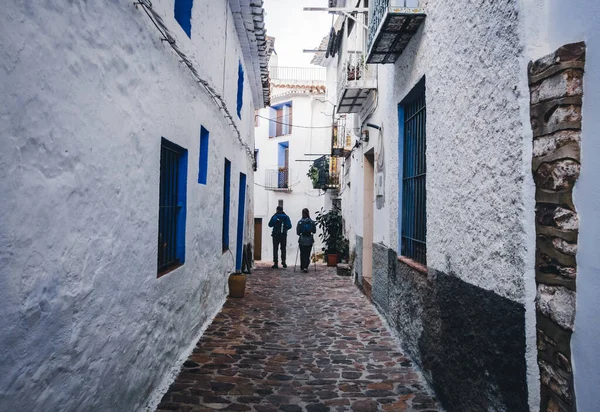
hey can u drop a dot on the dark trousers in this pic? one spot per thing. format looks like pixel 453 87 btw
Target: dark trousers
pixel 305 256
pixel 279 241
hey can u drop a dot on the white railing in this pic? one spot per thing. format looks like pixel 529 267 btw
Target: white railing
pixel 354 69
pixel 314 74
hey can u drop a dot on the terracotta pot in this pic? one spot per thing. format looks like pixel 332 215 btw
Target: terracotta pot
pixel 333 259
pixel 237 285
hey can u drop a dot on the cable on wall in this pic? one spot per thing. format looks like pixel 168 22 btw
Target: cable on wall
pixel 217 98
pixel 293 125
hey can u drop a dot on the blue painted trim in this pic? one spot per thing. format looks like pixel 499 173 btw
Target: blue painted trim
pixel 240 90
pixel 203 156
pixel 182 203
pixel 400 171
pixel 183 15
pixel 226 203
pixel 281 153
pixel 240 223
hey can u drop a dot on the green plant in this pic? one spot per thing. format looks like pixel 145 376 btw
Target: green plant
pixel 331 234
pixel 313 173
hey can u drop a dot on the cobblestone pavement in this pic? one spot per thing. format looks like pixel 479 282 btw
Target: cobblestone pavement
pixel 298 342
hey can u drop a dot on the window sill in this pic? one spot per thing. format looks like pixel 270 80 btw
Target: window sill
pixel 169 270
pixel 413 264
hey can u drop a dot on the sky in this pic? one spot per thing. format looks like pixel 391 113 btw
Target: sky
pixel 295 29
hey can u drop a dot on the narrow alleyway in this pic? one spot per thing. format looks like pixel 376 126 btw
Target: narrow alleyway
pixel 298 342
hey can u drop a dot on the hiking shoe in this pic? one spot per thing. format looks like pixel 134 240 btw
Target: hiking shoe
pixel 274 266
pixel 284 265
pixel 305 270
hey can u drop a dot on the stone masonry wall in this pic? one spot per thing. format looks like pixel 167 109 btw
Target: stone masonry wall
pixel 556 86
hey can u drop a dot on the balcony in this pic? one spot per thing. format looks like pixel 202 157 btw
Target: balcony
pixel 280 75
pixel 393 24
pixel 355 82
pixel 321 176
pixel 278 179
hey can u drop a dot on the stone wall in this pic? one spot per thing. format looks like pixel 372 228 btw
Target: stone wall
pixel 556 85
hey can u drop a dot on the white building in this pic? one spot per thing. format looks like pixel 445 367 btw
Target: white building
pixel 290 134
pixel 127 190
pixel 498 304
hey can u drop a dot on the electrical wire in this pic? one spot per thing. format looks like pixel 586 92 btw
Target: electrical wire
pixel 160 25
pixel 293 125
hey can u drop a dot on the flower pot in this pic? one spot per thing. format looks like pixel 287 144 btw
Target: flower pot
pixel 237 285
pixel 333 259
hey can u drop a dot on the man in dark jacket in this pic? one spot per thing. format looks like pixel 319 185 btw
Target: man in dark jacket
pixel 281 223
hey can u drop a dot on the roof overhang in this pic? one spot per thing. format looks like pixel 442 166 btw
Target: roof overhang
pixel 249 21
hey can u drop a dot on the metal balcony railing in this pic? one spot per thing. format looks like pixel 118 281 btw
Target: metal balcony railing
pixel 355 80
pixel 297 74
pixel 278 179
pixel 392 24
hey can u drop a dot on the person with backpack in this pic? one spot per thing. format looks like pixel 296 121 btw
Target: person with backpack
pixel 281 223
pixel 305 229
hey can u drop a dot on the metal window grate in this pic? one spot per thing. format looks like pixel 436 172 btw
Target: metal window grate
pixel 414 217
pixel 169 207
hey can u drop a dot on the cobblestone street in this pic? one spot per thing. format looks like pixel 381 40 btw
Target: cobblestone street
pixel 298 342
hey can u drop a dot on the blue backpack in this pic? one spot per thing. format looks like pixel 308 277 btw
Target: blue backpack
pixel 306 227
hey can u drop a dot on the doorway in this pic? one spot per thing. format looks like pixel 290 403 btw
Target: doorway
pixel 240 225
pixel 369 178
pixel 257 239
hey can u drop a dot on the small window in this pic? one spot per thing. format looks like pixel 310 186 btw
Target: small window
pixel 280 203
pixel 414 216
pixel 240 90
pixel 226 200
pixel 172 206
pixel 203 156
pixel 255 163
pixel 183 15
pixel 280 123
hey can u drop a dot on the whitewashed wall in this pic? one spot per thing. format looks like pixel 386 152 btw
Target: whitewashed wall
pixel 88 90
pixel 551 25
pixel 308 110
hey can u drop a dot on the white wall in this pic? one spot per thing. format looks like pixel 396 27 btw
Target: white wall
pixel 88 90
pixel 565 24
pixel 308 110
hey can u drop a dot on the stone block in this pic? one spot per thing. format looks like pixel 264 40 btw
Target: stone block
pixel 557 303
pixel 546 144
pixel 565 247
pixel 574 52
pixel 556 216
pixel 566 83
pixel 558 175
pixel 559 384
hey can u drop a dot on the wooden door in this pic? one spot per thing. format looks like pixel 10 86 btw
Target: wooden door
pixel 257 239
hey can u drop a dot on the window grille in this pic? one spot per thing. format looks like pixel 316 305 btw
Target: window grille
pixel 414 217
pixel 171 216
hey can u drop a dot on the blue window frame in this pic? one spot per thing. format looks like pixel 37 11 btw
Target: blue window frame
pixel 283 161
pixel 226 201
pixel 412 146
pixel 203 156
pixel 240 90
pixel 280 119
pixel 172 206
pixel 183 15
pixel 240 223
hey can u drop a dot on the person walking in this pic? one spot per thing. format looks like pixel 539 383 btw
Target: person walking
pixel 281 223
pixel 305 229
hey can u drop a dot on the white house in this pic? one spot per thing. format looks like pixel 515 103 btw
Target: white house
pixel 290 135
pixel 127 187
pixel 471 190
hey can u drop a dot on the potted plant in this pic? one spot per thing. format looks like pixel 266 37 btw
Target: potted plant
pixel 313 173
pixel 331 234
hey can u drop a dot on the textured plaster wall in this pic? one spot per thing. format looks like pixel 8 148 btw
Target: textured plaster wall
pixel 88 90
pixel 480 196
pixel 308 110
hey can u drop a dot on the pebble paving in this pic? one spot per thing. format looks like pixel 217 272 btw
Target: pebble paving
pixel 298 342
